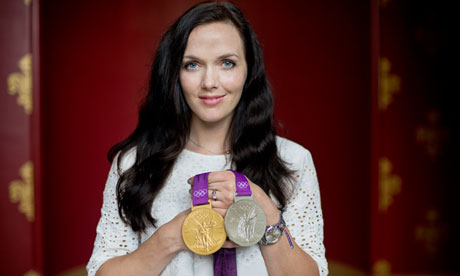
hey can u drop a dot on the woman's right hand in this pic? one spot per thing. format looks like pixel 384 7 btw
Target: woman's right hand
pixel 153 255
pixel 171 233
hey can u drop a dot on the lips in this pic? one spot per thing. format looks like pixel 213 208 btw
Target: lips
pixel 211 100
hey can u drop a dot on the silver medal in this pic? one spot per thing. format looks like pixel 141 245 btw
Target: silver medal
pixel 245 221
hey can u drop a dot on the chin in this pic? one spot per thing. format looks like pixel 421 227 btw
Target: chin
pixel 214 119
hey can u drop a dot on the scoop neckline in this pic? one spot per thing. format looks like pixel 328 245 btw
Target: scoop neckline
pixel 205 155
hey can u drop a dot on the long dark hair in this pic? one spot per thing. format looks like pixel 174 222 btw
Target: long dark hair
pixel 164 121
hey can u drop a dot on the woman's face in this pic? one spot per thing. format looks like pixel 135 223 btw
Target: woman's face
pixel 213 72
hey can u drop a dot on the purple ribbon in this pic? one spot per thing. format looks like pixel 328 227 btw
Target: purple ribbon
pixel 200 189
pixel 225 262
pixel 242 184
pixel 225 258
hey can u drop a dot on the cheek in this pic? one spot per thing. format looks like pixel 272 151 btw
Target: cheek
pixel 234 82
pixel 188 83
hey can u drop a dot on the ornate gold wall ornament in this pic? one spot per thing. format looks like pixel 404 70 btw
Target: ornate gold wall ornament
pixel 381 268
pixel 431 233
pixel 27 2
pixel 389 184
pixel 339 268
pixel 75 271
pixel 31 273
pixel 20 83
pixel 22 191
pixel 431 136
pixel 389 84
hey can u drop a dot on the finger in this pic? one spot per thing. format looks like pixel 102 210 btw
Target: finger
pixel 226 196
pixel 223 196
pixel 181 216
pixel 185 212
pixel 228 185
pixel 220 176
pixel 221 211
pixel 220 205
pixel 215 177
pixel 212 194
pixel 229 244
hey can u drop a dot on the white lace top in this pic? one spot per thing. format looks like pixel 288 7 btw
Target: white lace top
pixel 303 214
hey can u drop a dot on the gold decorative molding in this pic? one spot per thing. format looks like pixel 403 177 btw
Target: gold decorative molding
pixel 381 268
pixel 22 191
pixel 431 233
pixel 431 135
pixel 20 83
pixel 27 2
pixel 340 269
pixel 389 184
pixel 389 84
pixel 75 271
pixel 31 273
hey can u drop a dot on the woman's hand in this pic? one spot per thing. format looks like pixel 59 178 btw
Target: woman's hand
pixel 153 255
pixel 223 182
pixel 171 233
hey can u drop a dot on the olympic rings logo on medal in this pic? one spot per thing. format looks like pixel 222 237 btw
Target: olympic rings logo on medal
pixel 199 193
pixel 242 185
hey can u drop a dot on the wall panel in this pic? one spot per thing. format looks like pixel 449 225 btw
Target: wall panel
pixel 20 234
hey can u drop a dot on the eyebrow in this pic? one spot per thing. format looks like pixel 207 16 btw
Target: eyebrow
pixel 220 57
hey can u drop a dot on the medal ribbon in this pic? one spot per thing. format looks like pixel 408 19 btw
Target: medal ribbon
pixel 225 258
pixel 242 184
pixel 200 189
pixel 225 262
pixel 203 229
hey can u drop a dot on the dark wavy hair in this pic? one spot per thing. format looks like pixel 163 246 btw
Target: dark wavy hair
pixel 164 121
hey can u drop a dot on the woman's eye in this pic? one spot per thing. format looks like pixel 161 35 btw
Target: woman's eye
pixel 191 65
pixel 228 64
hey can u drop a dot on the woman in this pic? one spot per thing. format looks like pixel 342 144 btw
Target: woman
pixel 208 109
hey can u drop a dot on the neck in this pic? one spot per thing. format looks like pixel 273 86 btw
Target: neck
pixel 208 138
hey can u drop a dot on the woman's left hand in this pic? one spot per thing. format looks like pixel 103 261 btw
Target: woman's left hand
pixel 223 183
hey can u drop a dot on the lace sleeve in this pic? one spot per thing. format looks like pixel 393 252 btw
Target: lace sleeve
pixel 113 237
pixel 303 213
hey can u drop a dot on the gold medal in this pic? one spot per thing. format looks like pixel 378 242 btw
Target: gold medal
pixel 203 230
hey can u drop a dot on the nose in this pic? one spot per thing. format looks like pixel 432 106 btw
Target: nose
pixel 210 79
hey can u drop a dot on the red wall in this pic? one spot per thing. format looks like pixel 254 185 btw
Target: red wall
pixel 318 59
pixel 95 61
